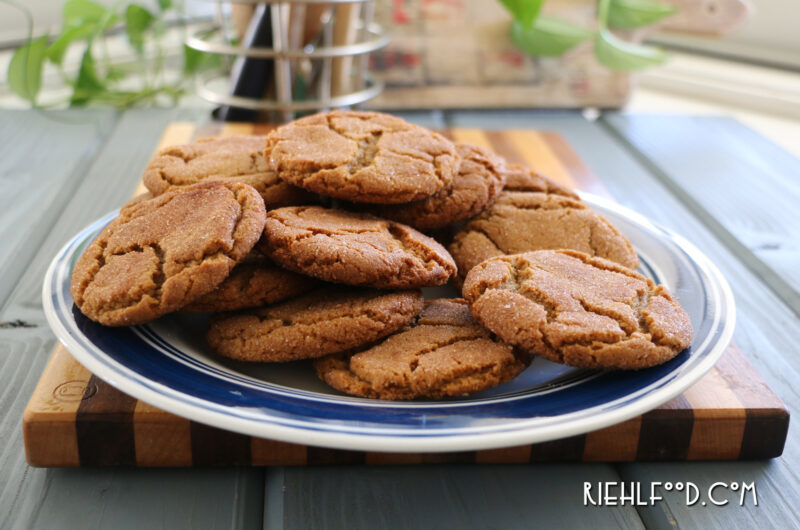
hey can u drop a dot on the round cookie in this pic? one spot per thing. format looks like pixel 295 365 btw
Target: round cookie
pixel 445 352
pixel 362 157
pixel 163 253
pixel 521 221
pixel 252 283
pixel 522 178
pixel 238 158
pixel 325 321
pixel 353 248
pixel 575 309
pixel 480 178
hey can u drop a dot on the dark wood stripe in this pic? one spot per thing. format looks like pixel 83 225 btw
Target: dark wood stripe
pixel 767 419
pixel 564 450
pixel 104 426
pixel 321 456
pixel 666 432
pixel 464 457
pixel 583 177
pixel 504 148
pixel 765 432
pixel 215 447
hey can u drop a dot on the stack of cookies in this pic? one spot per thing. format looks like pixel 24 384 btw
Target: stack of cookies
pixel 311 243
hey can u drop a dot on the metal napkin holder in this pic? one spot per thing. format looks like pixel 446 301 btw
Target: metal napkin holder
pixel 370 37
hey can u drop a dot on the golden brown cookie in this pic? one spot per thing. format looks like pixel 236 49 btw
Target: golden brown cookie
pixel 445 352
pixel 253 283
pixel 322 322
pixel 362 157
pixel 238 158
pixel 166 252
pixel 480 178
pixel 521 178
pixel 353 248
pixel 521 221
pixel 575 309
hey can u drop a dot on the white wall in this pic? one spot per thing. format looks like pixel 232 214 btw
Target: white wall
pixel 770 35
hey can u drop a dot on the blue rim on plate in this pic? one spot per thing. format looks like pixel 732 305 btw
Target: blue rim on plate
pixel 167 364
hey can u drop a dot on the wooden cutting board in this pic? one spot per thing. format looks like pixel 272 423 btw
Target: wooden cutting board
pixel 76 419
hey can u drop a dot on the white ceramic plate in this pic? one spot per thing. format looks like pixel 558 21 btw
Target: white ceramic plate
pixel 168 364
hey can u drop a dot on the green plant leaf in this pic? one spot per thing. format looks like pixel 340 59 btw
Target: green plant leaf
pixel 88 84
pixel 524 11
pixel 25 69
pixel 137 20
pixel 194 60
pixel 191 59
pixel 630 14
pixel 617 54
pixel 78 12
pixel 115 73
pixel 549 37
pixel 163 5
pixel 56 50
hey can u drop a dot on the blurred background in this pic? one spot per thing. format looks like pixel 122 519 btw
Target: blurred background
pixel 734 57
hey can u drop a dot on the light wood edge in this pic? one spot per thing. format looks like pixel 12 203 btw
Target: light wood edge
pixel 48 422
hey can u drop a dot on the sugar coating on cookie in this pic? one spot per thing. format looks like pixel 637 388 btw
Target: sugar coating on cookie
pixel 480 178
pixel 444 352
pixel 354 248
pixel 579 310
pixel 239 158
pixel 163 253
pixel 362 157
pixel 253 283
pixel 325 321
pixel 521 221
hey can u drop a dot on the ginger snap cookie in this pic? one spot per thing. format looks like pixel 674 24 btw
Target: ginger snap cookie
pixel 238 158
pixel 362 157
pixel 354 248
pixel 325 321
pixel 579 310
pixel 480 178
pixel 521 221
pixel 522 178
pixel 166 252
pixel 254 282
pixel 444 352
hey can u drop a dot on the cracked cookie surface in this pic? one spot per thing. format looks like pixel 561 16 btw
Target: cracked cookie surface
pixel 521 221
pixel 254 282
pixel 444 352
pixel 362 157
pixel 161 254
pixel 353 248
pixel 579 310
pixel 325 321
pixel 238 158
pixel 480 178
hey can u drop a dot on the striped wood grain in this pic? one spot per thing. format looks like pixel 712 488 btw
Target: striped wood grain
pixel 724 416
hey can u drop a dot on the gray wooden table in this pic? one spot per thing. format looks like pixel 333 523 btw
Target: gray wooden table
pixel 728 190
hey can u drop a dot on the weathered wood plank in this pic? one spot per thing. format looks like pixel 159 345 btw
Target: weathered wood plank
pixel 743 187
pixel 103 497
pixel 535 496
pixel 767 329
pixel 42 159
pixel 154 498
